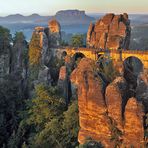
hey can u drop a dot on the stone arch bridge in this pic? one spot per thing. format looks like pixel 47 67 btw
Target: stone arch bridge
pixel 115 55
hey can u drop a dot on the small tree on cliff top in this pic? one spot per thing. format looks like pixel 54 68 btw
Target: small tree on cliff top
pixel 77 40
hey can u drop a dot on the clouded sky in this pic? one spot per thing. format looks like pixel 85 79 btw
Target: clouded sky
pixel 50 7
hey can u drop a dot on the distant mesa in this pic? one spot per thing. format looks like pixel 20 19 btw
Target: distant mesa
pixel 65 17
pixel 110 32
pixel 73 17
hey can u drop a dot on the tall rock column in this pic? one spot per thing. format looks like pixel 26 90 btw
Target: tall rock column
pixel 54 33
pixel 92 108
pixel 133 129
pixel 116 100
pixel 110 32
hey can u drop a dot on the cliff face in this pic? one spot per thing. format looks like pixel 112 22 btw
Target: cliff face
pixel 116 99
pixel 40 54
pixel 133 128
pixel 111 32
pixel 4 64
pixel 54 33
pixel 92 108
pixel 106 116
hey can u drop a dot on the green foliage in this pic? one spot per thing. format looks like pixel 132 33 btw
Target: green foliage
pixel 45 106
pixel 64 43
pixel 106 67
pixel 115 133
pixel 34 70
pixel 34 49
pixel 19 49
pixel 19 38
pixel 10 104
pixel 90 143
pixel 5 39
pixel 46 123
pixel 55 65
pixel 71 125
pixel 77 40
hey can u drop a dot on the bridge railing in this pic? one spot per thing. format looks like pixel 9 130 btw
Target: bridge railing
pixel 96 50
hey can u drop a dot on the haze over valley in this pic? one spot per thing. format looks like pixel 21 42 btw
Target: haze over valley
pixel 75 22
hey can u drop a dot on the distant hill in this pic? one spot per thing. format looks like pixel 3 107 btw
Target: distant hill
pixel 137 19
pixel 67 17
pixel 18 18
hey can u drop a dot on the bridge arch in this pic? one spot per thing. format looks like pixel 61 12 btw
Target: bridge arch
pixel 78 55
pixel 133 64
pixel 132 67
pixel 64 54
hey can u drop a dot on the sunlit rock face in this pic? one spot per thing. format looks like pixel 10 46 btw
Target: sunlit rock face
pixel 110 116
pixel 54 33
pixel 54 26
pixel 92 108
pixel 116 100
pixel 43 38
pixel 43 44
pixel 110 32
pixel 133 128
pixel 40 53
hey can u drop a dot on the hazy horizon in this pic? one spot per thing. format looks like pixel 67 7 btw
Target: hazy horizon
pixel 88 13
pixel 46 7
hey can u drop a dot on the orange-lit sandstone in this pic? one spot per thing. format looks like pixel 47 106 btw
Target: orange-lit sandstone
pixel 111 32
pixel 92 109
pixel 133 129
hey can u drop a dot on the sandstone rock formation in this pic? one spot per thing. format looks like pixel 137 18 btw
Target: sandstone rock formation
pixel 4 64
pixel 54 33
pixel 40 52
pixel 92 108
pixel 113 119
pixel 133 128
pixel 116 100
pixel 142 89
pixel 110 32
pixel 44 76
pixel 64 84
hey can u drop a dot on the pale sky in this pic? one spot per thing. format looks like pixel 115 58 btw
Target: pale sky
pixel 50 7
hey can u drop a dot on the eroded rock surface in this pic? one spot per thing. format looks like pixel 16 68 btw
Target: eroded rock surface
pixel 54 35
pixel 110 32
pixel 142 89
pixel 40 52
pixel 116 100
pixel 113 116
pixel 133 128
pixel 92 108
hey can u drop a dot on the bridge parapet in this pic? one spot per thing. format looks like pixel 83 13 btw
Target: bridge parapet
pixel 116 55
